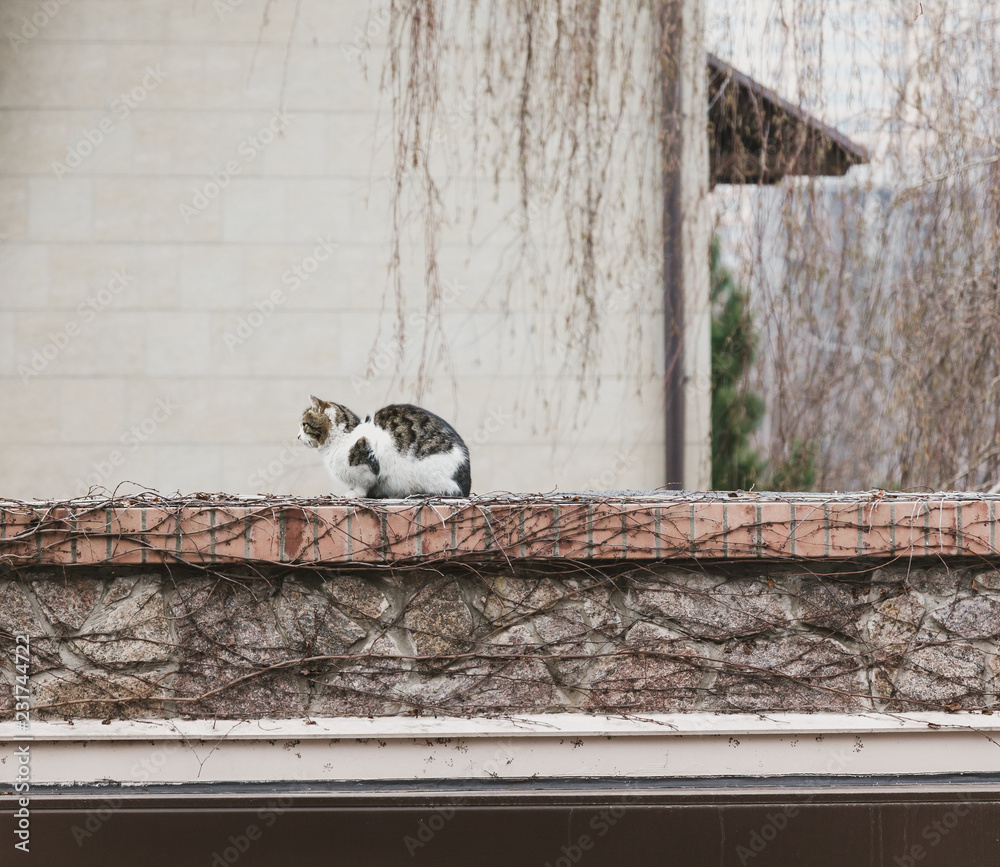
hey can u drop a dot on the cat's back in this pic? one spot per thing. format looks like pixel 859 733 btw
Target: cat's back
pixel 418 432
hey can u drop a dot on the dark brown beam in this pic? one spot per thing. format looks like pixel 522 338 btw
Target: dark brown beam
pixel 673 273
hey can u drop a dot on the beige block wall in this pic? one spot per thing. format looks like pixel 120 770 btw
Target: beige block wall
pixel 695 263
pixel 118 287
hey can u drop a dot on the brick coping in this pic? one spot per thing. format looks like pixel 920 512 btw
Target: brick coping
pixel 219 529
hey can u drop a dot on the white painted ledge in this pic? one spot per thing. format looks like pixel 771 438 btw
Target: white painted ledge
pixel 561 746
pixel 529 725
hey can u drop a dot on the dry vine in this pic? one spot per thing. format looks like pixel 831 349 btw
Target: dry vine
pixel 559 101
pixel 877 296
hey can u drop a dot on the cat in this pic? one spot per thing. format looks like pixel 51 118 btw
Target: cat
pixel 401 451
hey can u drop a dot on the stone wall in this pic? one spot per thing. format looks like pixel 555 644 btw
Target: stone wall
pixel 277 608
pixel 133 642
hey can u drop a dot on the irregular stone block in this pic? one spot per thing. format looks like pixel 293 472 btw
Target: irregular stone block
pixel 500 686
pixel 508 599
pixel 702 606
pixel 976 617
pixel 312 625
pixel 228 692
pixel 789 674
pixel 832 604
pixel 893 625
pixel 133 630
pixel 375 684
pixel 121 587
pixel 993 685
pixel 882 682
pixel 67 602
pixel 988 580
pixel 17 617
pixel 563 627
pixel 520 640
pixel 438 620
pixel 600 611
pixel 651 672
pixel 950 675
pixel 505 669
pixel 356 597
pixel 97 694
pixel 227 623
pixel 227 632
pixel 566 631
pixel 933 580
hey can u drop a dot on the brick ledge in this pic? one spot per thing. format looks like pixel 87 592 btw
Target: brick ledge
pixel 218 529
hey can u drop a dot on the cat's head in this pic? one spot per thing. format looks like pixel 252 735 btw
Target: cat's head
pixel 324 423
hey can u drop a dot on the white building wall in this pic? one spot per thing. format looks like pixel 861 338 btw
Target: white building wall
pixel 121 290
pixel 695 235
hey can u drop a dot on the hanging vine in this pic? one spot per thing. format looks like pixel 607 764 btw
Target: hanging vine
pixel 552 101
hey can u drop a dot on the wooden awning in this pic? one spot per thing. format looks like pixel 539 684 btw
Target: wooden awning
pixel 756 137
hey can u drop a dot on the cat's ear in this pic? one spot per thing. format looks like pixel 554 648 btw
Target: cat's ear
pixel 319 404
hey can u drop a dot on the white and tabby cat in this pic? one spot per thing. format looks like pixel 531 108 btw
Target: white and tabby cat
pixel 400 451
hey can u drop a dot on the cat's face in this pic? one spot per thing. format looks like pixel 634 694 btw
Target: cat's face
pixel 325 422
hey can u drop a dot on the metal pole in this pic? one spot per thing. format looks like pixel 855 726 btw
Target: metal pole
pixel 673 272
